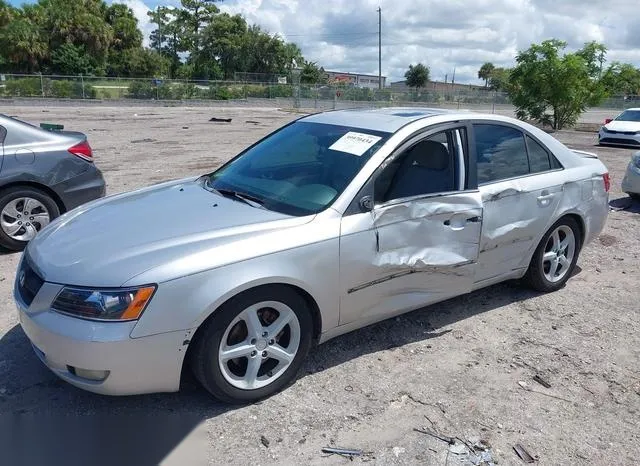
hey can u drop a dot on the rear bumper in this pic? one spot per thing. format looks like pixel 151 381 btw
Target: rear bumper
pixel 631 180
pixel 80 189
pixel 132 365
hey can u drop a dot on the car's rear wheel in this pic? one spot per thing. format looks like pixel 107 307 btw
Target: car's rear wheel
pixel 555 257
pixel 254 345
pixel 24 211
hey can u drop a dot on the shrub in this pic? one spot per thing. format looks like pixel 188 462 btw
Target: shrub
pixel 26 87
pixel 142 90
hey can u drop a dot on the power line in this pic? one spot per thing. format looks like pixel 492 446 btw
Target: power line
pixel 330 34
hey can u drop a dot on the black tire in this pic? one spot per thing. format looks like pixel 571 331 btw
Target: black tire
pixel 16 192
pixel 204 355
pixel 535 278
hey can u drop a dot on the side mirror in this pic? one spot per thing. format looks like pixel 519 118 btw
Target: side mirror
pixel 366 204
pixel 608 120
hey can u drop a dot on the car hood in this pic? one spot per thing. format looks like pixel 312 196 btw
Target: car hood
pixel 108 242
pixel 623 126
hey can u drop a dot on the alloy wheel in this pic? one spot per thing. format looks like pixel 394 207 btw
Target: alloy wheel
pixel 259 345
pixel 558 253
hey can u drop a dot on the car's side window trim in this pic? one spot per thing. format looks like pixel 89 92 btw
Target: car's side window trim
pixel 462 165
pixel 422 133
pixel 474 151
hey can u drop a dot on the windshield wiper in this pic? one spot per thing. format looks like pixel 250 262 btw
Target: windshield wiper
pixel 253 201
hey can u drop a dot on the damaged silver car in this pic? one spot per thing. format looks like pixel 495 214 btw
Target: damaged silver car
pixel 333 222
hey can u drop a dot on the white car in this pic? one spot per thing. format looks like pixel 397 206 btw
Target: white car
pixel 333 222
pixel 623 130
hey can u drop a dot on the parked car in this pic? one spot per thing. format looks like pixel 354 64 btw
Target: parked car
pixel 631 180
pixel 623 130
pixel 331 223
pixel 42 174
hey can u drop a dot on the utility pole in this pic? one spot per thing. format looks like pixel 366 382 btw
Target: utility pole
pixel 379 48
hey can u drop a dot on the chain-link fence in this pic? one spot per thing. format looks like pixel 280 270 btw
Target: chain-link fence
pixel 290 94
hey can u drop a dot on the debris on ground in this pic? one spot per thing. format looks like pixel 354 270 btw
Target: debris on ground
pixel 346 452
pixel 523 454
pixel 185 127
pixel 265 441
pixel 220 120
pixel 474 451
pixel 541 381
pixel 449 440
pixel 525 386
pixel 138 141
pixel 252 122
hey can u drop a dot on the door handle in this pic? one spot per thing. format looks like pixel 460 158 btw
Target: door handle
pixel 474 219
pixel 545 198
pixel 505 193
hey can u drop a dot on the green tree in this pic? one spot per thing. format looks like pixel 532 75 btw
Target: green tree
pixel 312 74
pixel 485 72
pixel 551 88
pixel 417 76
pixel 69 59
pixel 167 38
pixel 78 22
pixel 126 34
pixel 222 43
pixel 621 79
pixel 23 45
pixel 499 79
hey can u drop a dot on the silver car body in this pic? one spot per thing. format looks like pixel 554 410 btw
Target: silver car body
pixel 631 180
pixel 355 268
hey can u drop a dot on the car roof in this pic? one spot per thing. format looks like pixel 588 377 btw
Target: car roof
pixel 388 119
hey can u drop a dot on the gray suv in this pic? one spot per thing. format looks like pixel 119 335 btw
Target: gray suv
pixel 43 173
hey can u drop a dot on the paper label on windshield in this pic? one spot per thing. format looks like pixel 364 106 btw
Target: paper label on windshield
pixel 355 143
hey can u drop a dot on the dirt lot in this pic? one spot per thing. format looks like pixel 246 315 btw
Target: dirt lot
pixel 454 367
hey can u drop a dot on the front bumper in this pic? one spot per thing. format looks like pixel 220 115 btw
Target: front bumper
pixel 619 138
pixel 631 180
pixel 134 365
pixel 80 189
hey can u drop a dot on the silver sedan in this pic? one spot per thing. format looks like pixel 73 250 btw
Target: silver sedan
pixel 631 180
pixel 331 223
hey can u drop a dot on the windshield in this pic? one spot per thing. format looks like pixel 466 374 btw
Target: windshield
pixel 300 169
pixel 629 115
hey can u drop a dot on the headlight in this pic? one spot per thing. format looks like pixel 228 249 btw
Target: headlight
pixel 604 128
pixel 115 304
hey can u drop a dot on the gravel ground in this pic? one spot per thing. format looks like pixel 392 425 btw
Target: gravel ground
pixel 463 368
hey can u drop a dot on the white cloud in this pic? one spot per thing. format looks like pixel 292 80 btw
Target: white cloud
pixel 455 33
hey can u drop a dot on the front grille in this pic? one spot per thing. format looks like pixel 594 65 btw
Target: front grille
pixel 631 142
pixel 626 133
pixel 29 282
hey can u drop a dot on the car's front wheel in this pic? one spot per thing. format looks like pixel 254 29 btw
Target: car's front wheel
pixel 24 211
pixel 555 257
pixel 254 345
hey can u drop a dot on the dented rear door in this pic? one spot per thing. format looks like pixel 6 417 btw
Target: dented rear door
pixel 406 255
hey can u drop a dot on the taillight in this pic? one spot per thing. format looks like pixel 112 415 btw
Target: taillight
pixel 82 150
pixel 607 181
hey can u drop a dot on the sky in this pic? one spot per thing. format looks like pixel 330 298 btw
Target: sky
pixel 446 34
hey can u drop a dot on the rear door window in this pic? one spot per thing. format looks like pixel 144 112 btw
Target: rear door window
pixel 501 153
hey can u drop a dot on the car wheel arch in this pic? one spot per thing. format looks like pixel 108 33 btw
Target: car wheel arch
pixel 41 187
pixel 306 295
